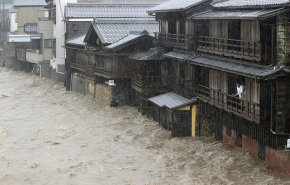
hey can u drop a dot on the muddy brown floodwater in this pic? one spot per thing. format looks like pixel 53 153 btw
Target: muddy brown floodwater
pixel 51 136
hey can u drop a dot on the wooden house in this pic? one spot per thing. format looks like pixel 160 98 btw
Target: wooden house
pixel 236 42
pixel 105 58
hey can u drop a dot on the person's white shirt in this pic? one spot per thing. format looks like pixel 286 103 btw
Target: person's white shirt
pixel 240 91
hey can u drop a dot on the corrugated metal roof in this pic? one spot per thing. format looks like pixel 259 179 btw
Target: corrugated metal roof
pixel 152 54
pixel 229 65
pixel 112 31
pixel 175 5
pixel 172 100
pixel 29 3
pixel 78 40
pixel 246 3
pixel 99 10
pixel 238 14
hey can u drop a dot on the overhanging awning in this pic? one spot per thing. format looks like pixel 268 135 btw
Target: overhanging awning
pixel 24 38
pixel 239 14
pixel 180 55
pixel 172 100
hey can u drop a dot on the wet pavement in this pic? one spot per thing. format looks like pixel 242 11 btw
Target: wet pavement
pixel 51 136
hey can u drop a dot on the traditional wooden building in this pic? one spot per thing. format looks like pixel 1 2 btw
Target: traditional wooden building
pixel 235 42
pixel 105 58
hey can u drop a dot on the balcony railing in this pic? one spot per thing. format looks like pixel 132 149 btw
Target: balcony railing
pixel 21 54
pixel 241 107
pixel 34 56
pixel 80 67
pixel 117 72
pixel 175 40
pixel 149 83
pixel 248 50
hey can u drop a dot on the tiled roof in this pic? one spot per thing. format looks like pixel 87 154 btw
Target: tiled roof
pixel 129 38
pixel 246 3
pixel 239 14
pixel 175 5
pixel 152 54
pixel 6 6
pixel 229 65
pixel 171 100
pixel 78 40
pixel 112 31
pixel 29 3
pixel 99 10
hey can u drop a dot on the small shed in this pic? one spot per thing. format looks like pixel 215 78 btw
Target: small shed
pixel 176 113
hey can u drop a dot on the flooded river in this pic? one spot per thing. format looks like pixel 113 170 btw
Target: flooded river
pixel 51 136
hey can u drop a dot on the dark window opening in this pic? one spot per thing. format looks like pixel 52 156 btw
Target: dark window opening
pixel 47 43
pixel 182 27
pixel 239 139
pixel 172 27
pixel 261 151
pixel 234 29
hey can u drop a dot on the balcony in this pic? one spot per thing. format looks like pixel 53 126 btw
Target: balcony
pixel 149 83
pixel 248 50
pixel 21 54
pixel 34 56
pixel 79 67
pixel 240 107
pixel 175 40
pixel 114 72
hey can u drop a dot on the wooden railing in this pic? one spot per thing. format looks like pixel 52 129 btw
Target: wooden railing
pixel 175 40
pixel 248 50
pixel 21 54
pixel 79 67
pixel 119 71
pixel 241 107
pixel 149 83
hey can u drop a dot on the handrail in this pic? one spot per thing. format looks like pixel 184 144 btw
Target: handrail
pixel 252 50
pixel 175 39
pixel 241 106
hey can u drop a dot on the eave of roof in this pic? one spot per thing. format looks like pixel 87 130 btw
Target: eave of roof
pixel 152 54
pixel 77 41
pixel 229 65
pixel 239 14
pixel 174 6
pixel 241 4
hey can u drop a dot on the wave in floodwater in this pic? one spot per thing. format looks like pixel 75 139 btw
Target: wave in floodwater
pixel 52 136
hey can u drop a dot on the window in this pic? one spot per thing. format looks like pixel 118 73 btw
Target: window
pixel 47 43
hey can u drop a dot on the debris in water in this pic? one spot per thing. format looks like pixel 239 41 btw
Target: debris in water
pixel 34 165
pixel 3 131
pixel 4 96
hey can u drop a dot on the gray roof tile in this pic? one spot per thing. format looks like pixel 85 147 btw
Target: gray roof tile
pixel 125 40
pixel 238 14
pixel 29 3
pixel 229 65
pixel 112 31
pixel 172 100
pixel 99 10
pixel 245 3
pixel 175 5
pixel 78 40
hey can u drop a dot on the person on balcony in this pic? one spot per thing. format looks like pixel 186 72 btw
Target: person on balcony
pixel 239 90
pixel 244 91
